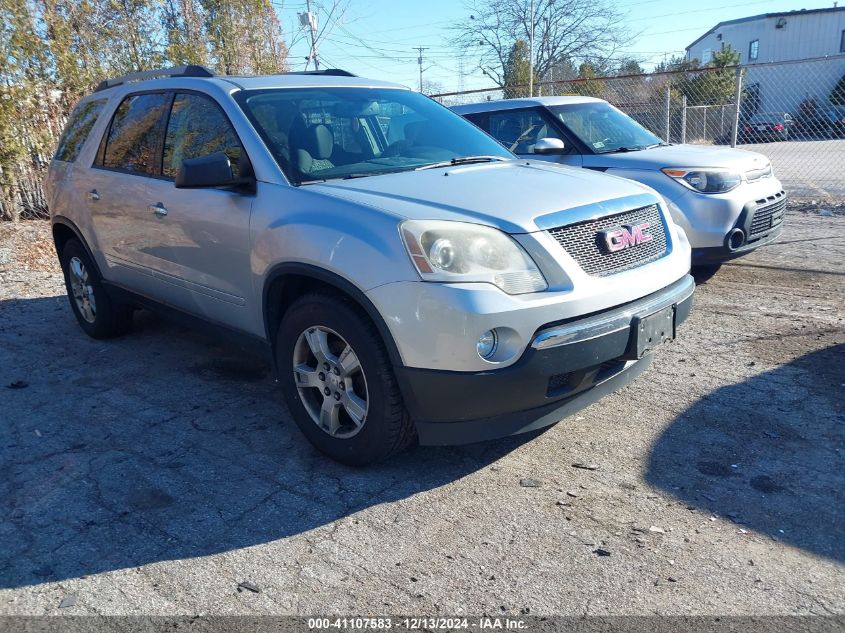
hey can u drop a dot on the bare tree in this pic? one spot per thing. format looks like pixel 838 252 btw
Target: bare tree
pixel 564 31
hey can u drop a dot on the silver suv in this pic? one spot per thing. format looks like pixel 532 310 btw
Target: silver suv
pixel 408 276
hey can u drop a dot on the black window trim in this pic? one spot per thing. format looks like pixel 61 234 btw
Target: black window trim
pixel 750 46
pixel 159 158
pixel 842 41
pixel 101 150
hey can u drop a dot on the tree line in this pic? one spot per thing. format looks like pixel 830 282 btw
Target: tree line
pixel 52 52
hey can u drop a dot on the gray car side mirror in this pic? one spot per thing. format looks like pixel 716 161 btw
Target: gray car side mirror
pixel 549 146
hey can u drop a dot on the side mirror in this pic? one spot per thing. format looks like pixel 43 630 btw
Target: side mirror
pixel 549 147
pixel 213 170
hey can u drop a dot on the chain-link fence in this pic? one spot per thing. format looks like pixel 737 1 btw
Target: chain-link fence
pixel 793 112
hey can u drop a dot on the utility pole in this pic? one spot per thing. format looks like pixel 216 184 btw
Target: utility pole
pixel 309 20
pixel 531 54
pixel 420 62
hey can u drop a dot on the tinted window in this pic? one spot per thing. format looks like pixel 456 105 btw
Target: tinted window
pixel 197 127
pixel 79 125
pixel 518 130
pixel 135 135
pixel 326 133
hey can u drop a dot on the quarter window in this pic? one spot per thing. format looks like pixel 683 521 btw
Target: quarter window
pixel 134 138
pixel 77 129
pixel 198 127
pixel 519 130
pixel 753 50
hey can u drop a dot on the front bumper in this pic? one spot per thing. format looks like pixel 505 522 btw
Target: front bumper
pixel 568 366
pixel 760 222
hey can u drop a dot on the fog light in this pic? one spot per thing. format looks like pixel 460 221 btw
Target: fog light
pixel 487 344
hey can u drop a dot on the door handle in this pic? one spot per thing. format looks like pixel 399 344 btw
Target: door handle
pixel 158 209
pixel 93 195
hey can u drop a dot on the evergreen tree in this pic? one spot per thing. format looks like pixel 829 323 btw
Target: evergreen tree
pixel 517 71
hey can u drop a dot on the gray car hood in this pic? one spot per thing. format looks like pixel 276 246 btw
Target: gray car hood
pixel 680 156
pixel 508 195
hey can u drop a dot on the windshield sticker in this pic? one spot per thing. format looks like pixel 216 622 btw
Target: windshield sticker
pixel 598 145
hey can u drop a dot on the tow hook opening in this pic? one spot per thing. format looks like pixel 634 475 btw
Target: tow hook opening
pixel 735 239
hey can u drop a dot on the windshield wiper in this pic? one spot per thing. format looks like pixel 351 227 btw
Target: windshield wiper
pixel 366 174
pixel 463 160
pixel 623 149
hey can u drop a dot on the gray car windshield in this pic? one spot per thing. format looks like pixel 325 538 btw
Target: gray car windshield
pixel 603 128
pixel 318 134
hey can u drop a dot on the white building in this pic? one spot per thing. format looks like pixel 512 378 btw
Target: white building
pixel 793 36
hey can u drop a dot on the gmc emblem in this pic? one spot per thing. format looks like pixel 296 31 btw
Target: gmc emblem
pixel 617 239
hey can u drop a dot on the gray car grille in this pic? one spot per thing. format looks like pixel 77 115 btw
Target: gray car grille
pixel 768 216
pixel 584 244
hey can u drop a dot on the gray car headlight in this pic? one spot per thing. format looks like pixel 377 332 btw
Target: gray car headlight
pixel 705 180
pixel 461 252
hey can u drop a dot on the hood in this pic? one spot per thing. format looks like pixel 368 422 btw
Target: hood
pixel 680 156
pixel 508 195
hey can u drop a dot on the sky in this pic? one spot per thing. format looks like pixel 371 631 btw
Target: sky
pixel 377 38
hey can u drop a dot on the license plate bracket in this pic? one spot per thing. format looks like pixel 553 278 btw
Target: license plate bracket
pixel 651 331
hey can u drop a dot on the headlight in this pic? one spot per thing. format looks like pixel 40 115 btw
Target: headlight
pixel 460 252
pixel 705 180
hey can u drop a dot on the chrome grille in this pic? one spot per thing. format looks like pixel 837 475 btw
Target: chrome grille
pixel 769 215
pixel 584 244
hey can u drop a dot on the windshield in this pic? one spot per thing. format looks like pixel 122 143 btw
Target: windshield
pixel 603 128
pixel 320 134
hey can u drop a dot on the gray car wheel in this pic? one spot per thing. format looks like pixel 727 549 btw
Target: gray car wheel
pixel 330 382
pixel 338 380
pixel 96 312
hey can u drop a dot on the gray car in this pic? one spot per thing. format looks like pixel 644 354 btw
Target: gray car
pixel 406 275
pixel 727 200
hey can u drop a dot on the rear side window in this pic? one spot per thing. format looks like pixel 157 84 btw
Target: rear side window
pixel 198 127
pixel 77 129
pixel 135 135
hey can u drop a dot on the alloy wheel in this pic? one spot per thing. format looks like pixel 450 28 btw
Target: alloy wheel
pixel 83 291
pixel 330 382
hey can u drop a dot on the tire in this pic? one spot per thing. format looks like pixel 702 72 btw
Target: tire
pixel 97 313
pixel 323 401
pixel 703 273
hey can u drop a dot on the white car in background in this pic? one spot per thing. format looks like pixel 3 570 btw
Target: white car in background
pixel 727 200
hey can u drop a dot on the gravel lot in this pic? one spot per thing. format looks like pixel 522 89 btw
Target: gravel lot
pixel 153 474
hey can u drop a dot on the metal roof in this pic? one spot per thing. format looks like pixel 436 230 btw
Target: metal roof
pixel 763 16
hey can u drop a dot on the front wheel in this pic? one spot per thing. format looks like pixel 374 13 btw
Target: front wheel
pixel 702 273
pixel 338 381
pixel 98 315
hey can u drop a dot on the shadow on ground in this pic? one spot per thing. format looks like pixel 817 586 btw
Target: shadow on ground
pixel 163 445
pixel 768 453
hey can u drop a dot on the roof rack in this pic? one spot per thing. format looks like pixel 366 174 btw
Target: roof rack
pixel 191 70
pixel 331 72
